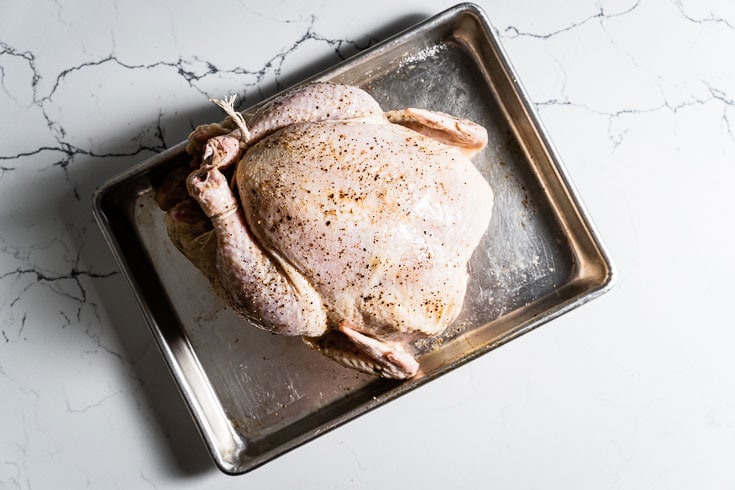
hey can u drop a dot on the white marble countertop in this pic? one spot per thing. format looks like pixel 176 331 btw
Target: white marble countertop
pixel 633 390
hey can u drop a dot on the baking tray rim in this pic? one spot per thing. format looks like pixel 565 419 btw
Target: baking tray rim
pixel 442 19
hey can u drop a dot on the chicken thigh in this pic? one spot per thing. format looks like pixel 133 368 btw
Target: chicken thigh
pixel 345 225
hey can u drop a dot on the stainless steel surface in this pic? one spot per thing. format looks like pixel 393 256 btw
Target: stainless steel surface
pixel 255 395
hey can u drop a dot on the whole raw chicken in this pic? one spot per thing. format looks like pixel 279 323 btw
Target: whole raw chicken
pixel 353 227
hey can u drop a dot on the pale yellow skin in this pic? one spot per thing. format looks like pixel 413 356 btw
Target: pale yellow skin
pixel 350 220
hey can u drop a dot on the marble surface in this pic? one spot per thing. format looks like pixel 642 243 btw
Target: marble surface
pixel 633 390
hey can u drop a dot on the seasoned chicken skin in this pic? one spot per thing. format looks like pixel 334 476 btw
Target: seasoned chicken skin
pixel 353 227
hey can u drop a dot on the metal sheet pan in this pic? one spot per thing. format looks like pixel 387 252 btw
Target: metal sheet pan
pixel 254 395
